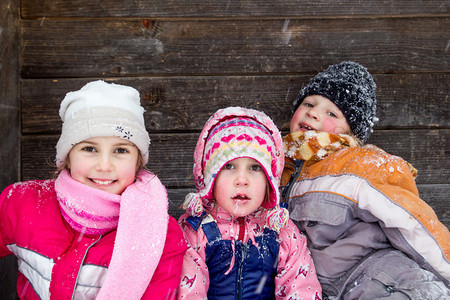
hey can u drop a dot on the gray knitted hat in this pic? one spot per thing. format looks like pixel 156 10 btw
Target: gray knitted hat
pixel 351 87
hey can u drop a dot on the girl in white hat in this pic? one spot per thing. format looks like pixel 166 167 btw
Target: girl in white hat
pixel 101 229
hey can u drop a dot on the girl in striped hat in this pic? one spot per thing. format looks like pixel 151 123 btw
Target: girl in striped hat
pixel 241 243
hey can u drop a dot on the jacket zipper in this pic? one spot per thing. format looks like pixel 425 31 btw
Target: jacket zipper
pixel 241 265
pixel 79 269
pixel 287 189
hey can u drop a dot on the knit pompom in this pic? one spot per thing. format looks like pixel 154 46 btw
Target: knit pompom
pixel 193 204
pixel 277 218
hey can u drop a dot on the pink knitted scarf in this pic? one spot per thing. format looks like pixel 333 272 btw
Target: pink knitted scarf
pixel 141 218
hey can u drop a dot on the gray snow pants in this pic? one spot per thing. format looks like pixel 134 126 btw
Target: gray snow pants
pixel 388 274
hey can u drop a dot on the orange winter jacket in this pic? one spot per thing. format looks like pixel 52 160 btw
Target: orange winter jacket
pixel 352 201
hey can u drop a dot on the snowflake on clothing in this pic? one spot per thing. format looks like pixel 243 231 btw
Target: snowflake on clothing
pixel 188 282
pixel 303 270
pixel 127 135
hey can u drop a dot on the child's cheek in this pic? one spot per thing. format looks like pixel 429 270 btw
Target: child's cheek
pixel 329 125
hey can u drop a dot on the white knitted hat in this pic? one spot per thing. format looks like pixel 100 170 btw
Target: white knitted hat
pixel 102 109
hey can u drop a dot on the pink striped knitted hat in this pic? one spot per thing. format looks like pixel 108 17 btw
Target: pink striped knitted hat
pixel 232 133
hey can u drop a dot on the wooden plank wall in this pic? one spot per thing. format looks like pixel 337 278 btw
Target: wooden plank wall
pixel 189 58
pixel 9 122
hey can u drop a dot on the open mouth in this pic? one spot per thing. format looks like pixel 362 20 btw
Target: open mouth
pixel 103 182
pixel 305 127
pixel 241 198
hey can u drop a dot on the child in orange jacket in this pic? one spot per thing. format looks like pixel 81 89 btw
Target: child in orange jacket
pixel 369 233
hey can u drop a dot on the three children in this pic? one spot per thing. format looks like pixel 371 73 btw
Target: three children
pixel 88 234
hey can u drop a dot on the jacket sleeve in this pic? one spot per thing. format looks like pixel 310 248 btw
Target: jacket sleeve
pixel 408 221
pixel 166 279
pixel 4 198
pixel 297 277
pixel 383 188
pixel 194 275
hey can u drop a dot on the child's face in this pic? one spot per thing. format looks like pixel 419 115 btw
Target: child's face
pixel 318 113
pixel 106 163
pixel 240 187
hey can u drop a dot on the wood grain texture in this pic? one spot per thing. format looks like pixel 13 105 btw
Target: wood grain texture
pixel 433 195
pixel 184 103
pixel 208 9
pixel 101 47
pixel 9 124
pixel 171 154
pixel 9 93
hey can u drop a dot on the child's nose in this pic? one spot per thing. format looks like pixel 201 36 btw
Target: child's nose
pixel 104 163
pixel 241 179
pixel 313 113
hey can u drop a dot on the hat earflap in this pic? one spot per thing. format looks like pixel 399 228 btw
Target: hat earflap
pixel 277 218
pixel 193 204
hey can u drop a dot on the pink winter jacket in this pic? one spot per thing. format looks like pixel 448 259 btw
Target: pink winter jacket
pixel 56 260
pixel 296 275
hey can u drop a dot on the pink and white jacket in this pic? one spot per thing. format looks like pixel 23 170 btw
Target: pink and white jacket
pixel 59 262
pixel 296 275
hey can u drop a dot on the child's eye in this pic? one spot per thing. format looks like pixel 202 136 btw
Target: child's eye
pixel 89 149
pixel 121 150
pixel 229 166
pixel 255 168
pixel 307 104
pixel 332 114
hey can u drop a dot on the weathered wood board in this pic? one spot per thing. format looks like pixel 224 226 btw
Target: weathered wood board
pixel 9 123
pixel 245 9
pixel 418 100
pixel 104 47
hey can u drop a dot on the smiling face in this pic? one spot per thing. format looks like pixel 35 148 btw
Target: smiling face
pixel 240 187
pixel 106 163
pixel 318 113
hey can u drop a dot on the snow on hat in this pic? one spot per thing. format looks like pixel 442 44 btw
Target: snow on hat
pixel 232 133
pixel 350 86
pixel 102 109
